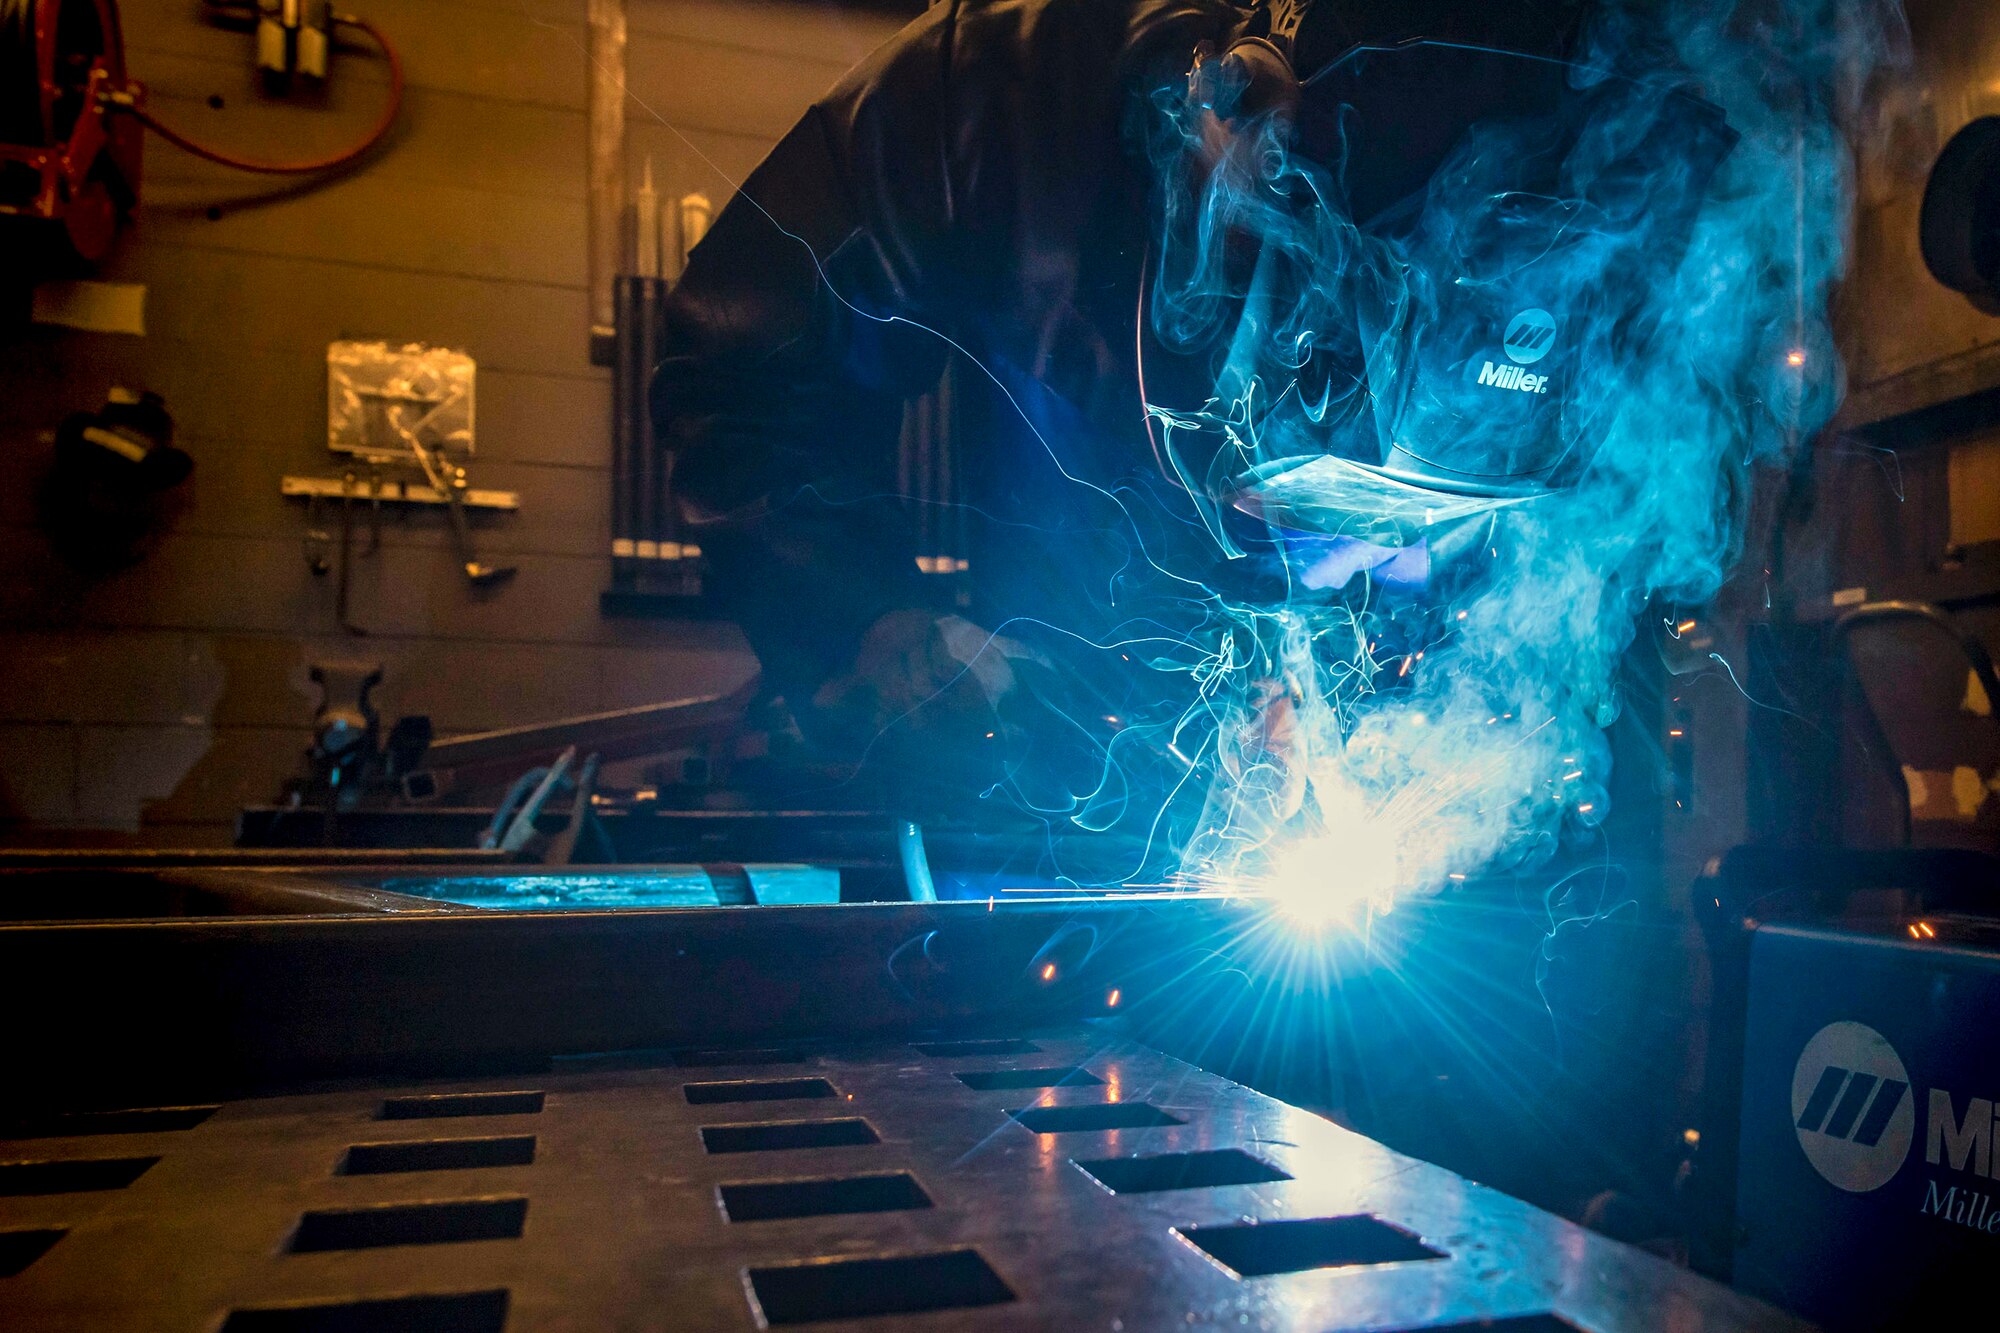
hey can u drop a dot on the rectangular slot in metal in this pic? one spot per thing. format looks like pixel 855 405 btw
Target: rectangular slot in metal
pixel 459 1312
pixel 1182 1171
pixel 1096 1115
pixel 758 1090
pixel 1060 1076
pixel 18 1249
pixel 770 1200
pixel 439 1223
pixel 989 1046
pixel 374 1159
pixel 442 1105
pixel 864 1288
pixel 1259 1249
pixel 72 1177
pixel 760 1055
pixel 77 1124
pixel 785 1135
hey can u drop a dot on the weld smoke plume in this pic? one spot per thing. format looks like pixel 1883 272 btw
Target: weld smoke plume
pixel 1409 737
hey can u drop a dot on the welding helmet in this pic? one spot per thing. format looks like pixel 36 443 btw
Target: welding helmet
pixel 1444 266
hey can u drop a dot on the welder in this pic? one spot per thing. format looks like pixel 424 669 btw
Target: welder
pixel 979 190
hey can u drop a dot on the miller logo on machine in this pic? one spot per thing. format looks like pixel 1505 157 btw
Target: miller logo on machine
pixel 1528 339
pixel 1855 1112
pixel 1852 1107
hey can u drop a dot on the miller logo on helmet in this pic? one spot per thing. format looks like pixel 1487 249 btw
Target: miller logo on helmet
pixel 1530 335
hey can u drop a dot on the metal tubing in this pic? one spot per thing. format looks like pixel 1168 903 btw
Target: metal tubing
pixel 916 866
pixel 606 122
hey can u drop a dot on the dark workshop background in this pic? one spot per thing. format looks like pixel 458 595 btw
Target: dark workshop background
pixel 149 705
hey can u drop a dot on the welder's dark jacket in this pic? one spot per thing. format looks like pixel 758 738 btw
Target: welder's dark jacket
pixel 982 175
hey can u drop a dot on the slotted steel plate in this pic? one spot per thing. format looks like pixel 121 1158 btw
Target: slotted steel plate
pixel 957 1215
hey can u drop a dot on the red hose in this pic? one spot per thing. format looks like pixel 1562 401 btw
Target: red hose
pixel 340 159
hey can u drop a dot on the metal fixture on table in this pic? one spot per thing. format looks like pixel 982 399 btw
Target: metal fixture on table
pixel 345 729
pixel 513 825
pixel 348 754
pixel 459 764
pixel 514 830
pixel 561 849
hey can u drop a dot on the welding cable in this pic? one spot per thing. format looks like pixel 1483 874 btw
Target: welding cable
pixel 367 143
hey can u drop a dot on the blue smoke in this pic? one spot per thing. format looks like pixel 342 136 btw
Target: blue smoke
pixel 1426 694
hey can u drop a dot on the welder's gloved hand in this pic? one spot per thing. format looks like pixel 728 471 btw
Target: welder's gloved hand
pixel 1263 751
pixel 919 673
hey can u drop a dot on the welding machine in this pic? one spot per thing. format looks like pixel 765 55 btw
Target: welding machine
pixel 1863 1127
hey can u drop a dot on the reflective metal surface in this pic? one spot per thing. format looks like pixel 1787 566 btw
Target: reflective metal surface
pixel 604 1210
pixel 647 887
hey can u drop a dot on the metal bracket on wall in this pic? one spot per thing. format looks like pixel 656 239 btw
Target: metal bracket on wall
pixel 399 492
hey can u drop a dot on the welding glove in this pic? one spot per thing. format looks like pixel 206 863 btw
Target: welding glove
pixel 922 674
pixel 1262 750
pixel 1262 779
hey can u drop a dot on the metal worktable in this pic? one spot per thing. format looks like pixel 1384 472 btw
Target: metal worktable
pixel 864 1143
